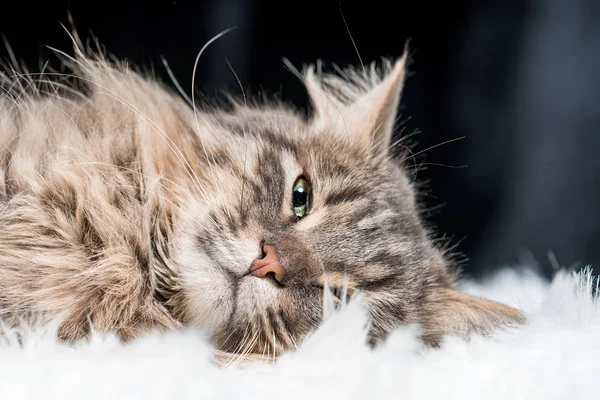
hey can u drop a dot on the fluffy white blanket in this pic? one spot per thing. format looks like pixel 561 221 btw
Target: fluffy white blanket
pixel 556 356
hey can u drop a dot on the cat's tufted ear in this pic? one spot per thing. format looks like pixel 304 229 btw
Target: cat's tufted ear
pixel 458 313
pixel 358 103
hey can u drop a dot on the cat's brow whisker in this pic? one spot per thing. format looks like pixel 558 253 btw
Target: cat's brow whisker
pixel 194 109
pixel 245 141
pixel 352 39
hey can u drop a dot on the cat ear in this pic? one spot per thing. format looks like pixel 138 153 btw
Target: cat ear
pixel 358 103
pixel 461 314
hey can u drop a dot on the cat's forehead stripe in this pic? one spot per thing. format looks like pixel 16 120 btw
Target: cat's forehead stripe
pixel 345 194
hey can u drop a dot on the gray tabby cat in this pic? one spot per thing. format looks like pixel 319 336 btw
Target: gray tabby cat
pixel 125 209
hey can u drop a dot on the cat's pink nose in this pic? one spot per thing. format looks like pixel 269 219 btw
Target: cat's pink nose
pixel 269 263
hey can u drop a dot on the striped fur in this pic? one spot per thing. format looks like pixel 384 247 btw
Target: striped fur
pixel 124 209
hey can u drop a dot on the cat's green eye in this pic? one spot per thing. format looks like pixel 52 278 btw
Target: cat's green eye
pixel 301 197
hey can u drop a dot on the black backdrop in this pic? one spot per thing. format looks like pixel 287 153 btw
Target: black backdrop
pixel 518 79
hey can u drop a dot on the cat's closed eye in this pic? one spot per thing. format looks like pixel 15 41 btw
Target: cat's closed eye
pixel 338 293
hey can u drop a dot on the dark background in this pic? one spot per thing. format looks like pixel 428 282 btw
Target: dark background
pixel 520 80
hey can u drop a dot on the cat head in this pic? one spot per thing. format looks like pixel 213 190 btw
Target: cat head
pixel 287 205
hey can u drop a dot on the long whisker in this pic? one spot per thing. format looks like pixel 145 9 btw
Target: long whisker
pixel 224 342
pixel 245 141
pixel 274 346
pixel 247 349
pixel 438 145
pixel 352 39
pixel 244 342
pixel 443 165
pixel 194 109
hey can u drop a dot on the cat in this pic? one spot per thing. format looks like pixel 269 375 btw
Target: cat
pixel 125 209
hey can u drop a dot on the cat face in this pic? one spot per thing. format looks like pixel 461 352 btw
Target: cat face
pixel 288 206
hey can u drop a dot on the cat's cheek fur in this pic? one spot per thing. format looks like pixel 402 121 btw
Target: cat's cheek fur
pixel 209 284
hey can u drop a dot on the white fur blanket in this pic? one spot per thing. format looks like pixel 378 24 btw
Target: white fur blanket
pixel 556 356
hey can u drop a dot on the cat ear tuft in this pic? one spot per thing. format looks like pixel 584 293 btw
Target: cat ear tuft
pixel 461 314
pixel 359 103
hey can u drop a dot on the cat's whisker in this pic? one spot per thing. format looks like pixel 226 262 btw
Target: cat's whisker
pixel 265 353
pixel 352 39
pixel 274 346
pixel 223 343
pixel 404 137
pixel 246 142
pixel 439 144
pixel 246 348
pixel 245 341
pixel 194 108
pixel 259 336
pixel 293 340
pixel 443 165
